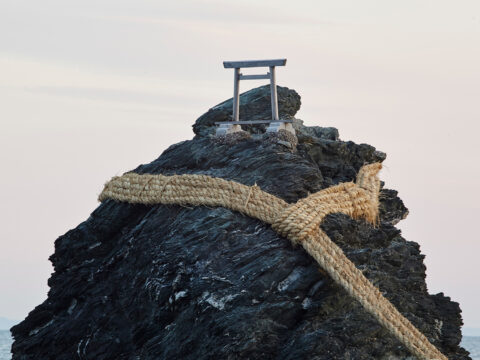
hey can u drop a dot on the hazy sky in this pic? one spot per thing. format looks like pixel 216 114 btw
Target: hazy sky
pixel 91 89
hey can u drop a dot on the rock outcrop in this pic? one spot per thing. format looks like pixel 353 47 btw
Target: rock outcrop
pixel 172 282
pixel 254 105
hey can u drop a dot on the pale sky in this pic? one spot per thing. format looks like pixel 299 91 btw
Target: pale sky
pixel 91 89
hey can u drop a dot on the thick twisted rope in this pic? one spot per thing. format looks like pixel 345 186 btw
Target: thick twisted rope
pixel 299 222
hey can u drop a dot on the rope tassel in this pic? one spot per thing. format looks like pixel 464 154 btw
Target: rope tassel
pixel 299 222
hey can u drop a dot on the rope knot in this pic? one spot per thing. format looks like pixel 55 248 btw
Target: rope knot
pixel 358 200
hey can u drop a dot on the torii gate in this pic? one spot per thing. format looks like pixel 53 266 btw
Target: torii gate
pixel 275 124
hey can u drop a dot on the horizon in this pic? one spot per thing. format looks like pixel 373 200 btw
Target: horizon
pixel 81 81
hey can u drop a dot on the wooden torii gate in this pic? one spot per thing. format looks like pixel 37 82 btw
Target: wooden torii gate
pixel 275 124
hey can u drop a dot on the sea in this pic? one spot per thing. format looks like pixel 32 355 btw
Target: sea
pixel 5 344
pixel 471 343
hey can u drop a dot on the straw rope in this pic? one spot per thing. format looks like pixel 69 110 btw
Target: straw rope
pixel 298 222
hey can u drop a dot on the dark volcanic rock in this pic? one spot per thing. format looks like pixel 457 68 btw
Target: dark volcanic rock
pixel 173 282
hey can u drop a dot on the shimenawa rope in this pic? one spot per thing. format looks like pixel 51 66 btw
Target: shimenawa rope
pixel 300 222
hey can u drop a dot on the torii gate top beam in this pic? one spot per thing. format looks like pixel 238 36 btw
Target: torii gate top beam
pixel 254 63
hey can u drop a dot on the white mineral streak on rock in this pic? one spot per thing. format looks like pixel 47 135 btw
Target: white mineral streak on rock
pixel 180 294
pixel 215 301
pixel 37 330
pixel 293 277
